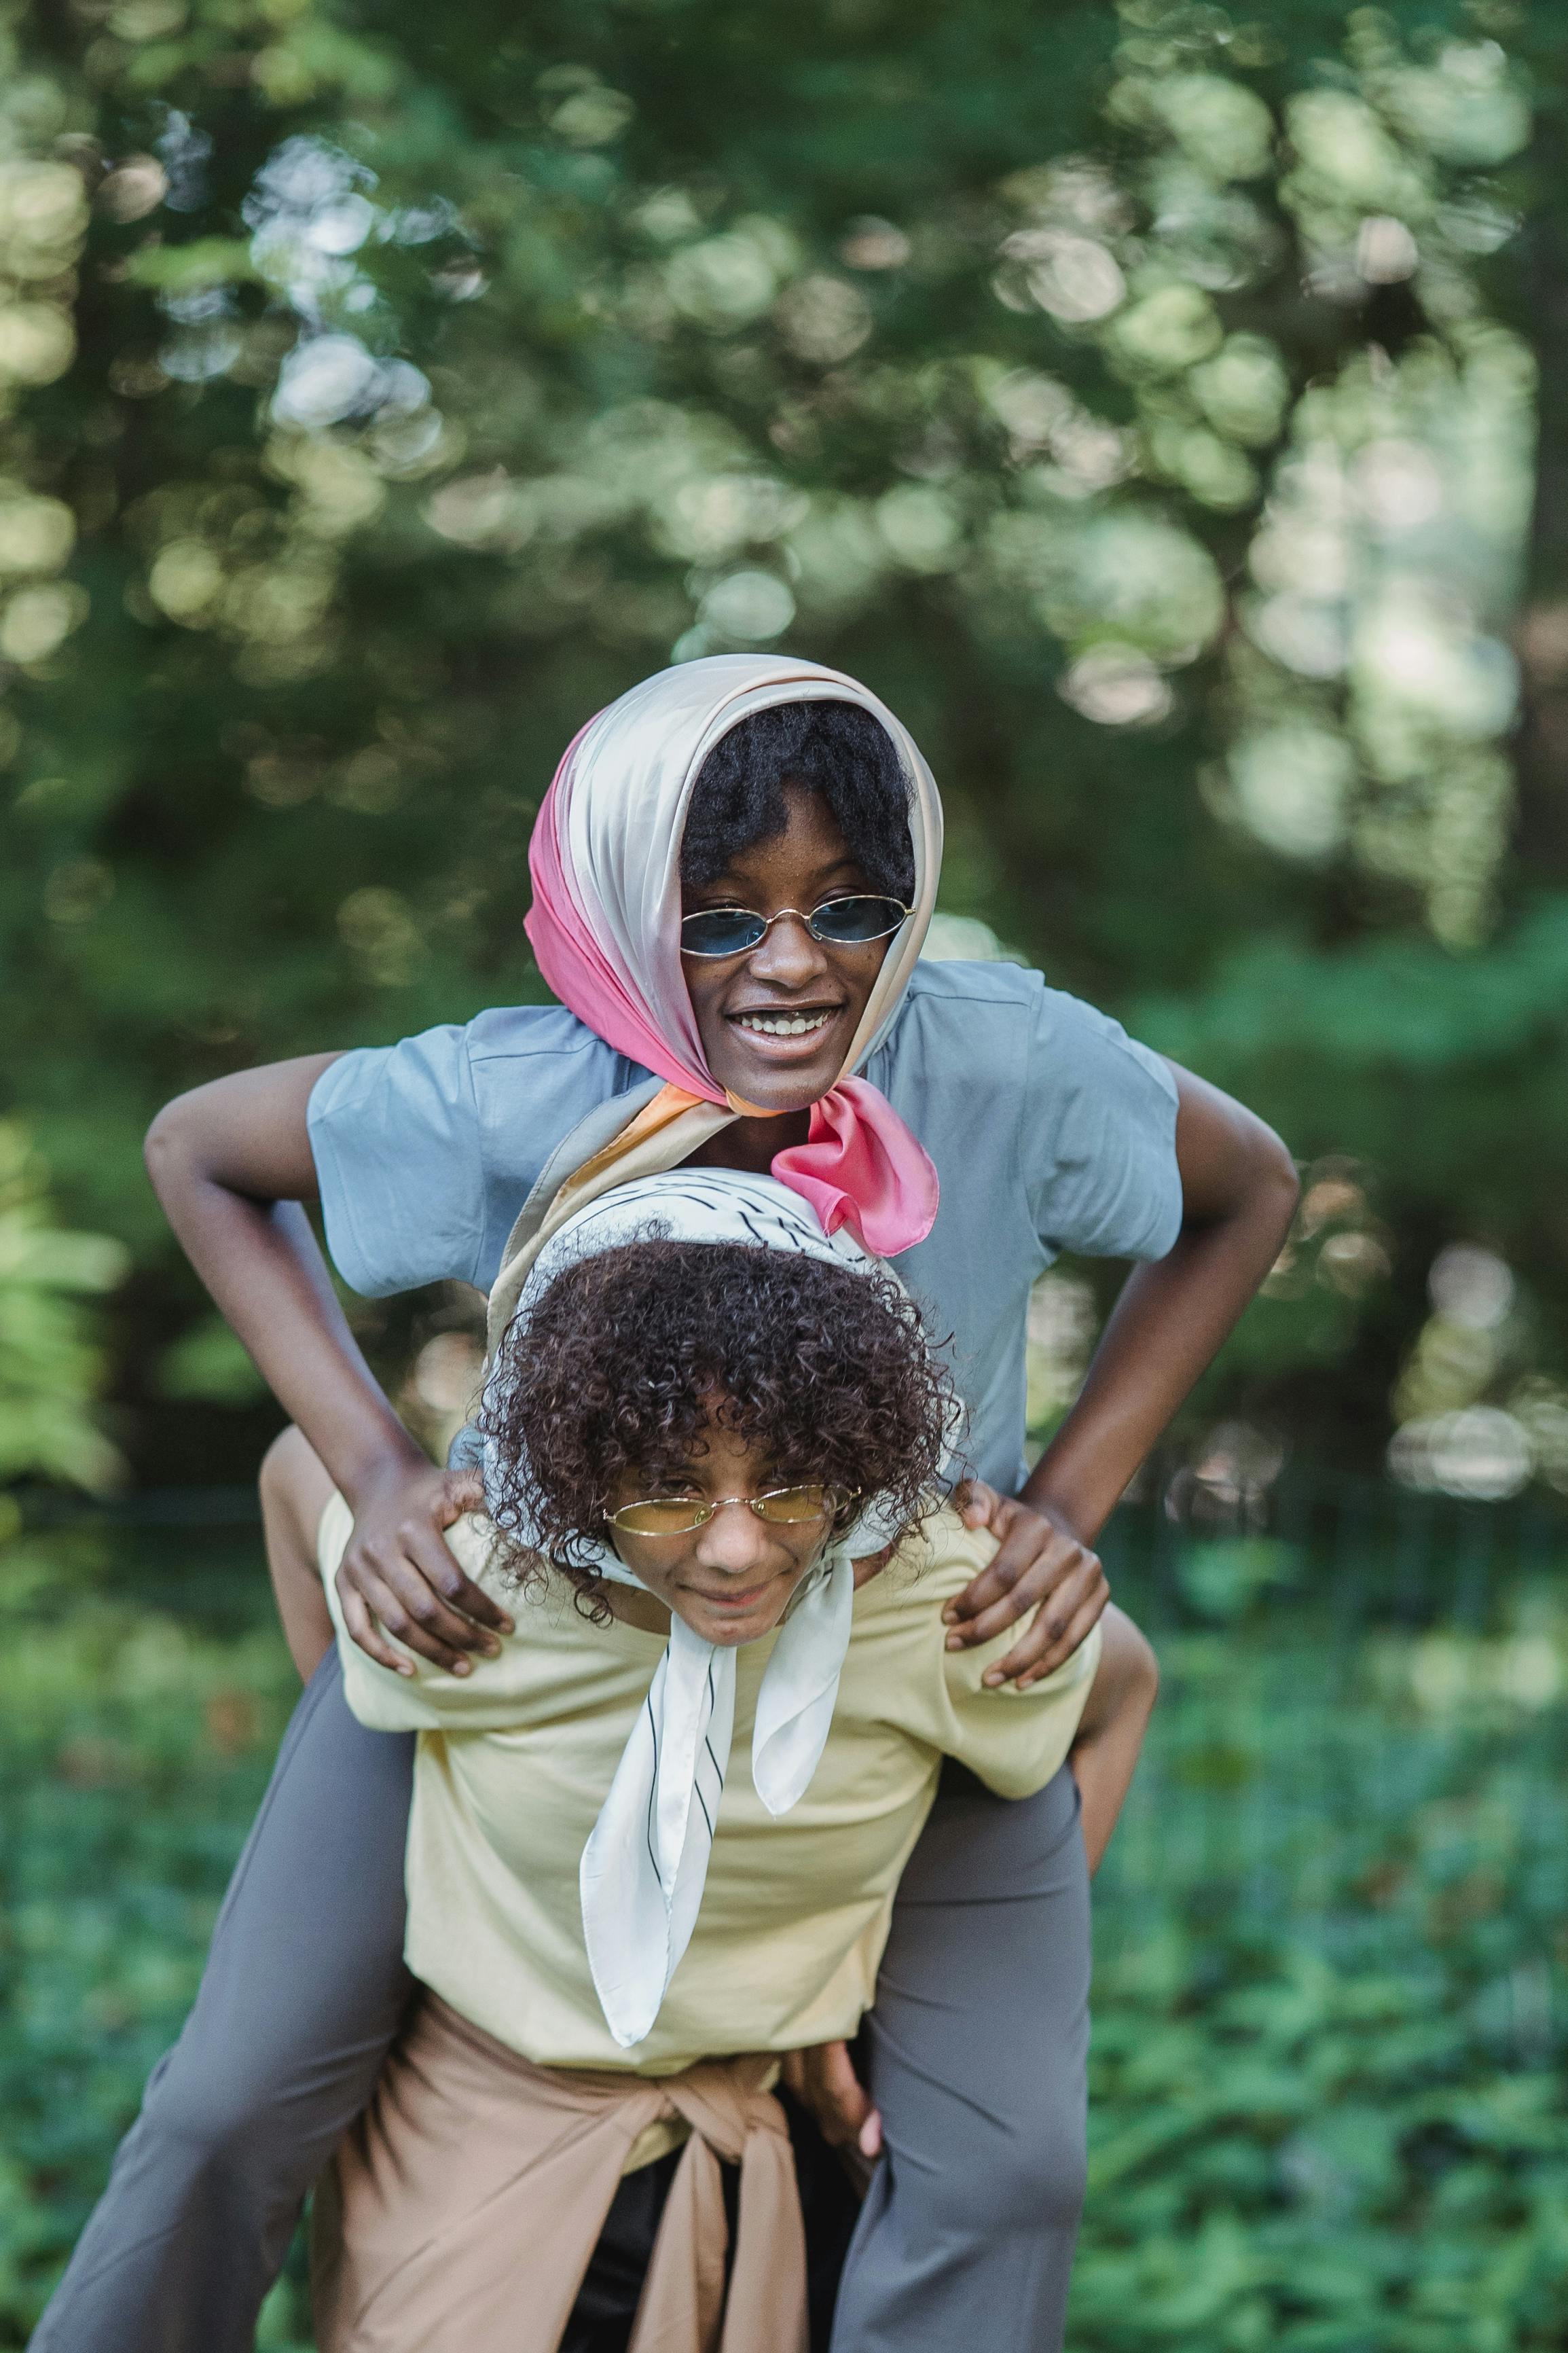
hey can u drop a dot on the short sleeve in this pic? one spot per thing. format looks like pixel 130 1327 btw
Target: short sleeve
pixel 395 1135
pixel 1099 1136
pixel 425 1151
pixel 1012 1740
pixel 1015 1740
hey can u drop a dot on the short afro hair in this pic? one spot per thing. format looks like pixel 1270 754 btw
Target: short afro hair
pixel 630 1356
pixel 836 749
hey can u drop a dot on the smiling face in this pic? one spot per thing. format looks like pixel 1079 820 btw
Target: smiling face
pixel 734 1578
pixel 776 1023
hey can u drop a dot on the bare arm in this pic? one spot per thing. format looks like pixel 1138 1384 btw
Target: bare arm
pixel 1110 1730
pixel 230 1163
pixel 1239 1191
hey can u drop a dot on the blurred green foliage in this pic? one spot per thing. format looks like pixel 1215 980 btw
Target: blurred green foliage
pixel 1326 2109
pixel 148 1689
pixel 1142 397
pixel 50 1368
pixel 1327 2103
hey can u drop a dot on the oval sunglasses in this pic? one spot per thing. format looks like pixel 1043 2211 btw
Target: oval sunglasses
pixel 682 1516
pixel 848 922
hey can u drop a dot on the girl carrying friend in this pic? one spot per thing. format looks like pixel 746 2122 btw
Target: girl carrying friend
pixel 688 862
pixel 615 1929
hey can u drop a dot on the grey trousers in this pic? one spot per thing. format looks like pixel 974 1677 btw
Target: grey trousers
pixel 977 2053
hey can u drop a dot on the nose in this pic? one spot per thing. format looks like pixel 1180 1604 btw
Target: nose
pixel 734 1542
pixel 788 956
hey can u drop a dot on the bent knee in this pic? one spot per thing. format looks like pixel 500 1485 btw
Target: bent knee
pixel 215 2128
pixel 1021 2178
pixel 296 1487
pixel 1053 2174
pixel 289 1468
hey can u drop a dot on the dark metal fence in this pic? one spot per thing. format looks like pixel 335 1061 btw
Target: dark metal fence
pixel 1362 1731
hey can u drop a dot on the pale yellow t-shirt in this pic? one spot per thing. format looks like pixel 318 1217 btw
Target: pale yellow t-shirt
pixel 516 1758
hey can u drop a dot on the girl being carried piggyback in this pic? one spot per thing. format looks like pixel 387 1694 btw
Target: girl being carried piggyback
pixel 714 1445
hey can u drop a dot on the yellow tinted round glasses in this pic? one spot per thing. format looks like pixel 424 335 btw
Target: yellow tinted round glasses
pixel 682 1516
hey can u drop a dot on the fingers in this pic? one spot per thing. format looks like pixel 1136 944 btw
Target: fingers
pixel 461 1492
pixel 1060 1589
pixel 399 1570
pixel 1058 1629
pixel 975 1502
pixel 363 1630
pixel 409 1609
pixel 824 2081
pixel 1022 1536
pixel 433 1561
pixel 404 1583
pixel 1034 1562
pixel 843 2095
pixel 1025 1571
pixel 471 1620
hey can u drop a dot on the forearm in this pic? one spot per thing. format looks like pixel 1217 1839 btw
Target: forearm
pixel 254 1250
pixel 231 1163
pixel 1239 1192
pixel 1166 1327
pixel 263 1268
pixel 1172 1318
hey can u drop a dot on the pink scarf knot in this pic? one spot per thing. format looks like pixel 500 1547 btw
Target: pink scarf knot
pixel 861 1167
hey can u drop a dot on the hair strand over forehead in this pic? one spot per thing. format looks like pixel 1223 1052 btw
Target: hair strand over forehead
pixel 836 749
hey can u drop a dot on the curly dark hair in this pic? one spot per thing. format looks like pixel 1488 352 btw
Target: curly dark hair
pixel 630 1356
pixel 836 749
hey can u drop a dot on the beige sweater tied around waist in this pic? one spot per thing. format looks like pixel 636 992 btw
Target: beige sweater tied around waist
pixel 461 2212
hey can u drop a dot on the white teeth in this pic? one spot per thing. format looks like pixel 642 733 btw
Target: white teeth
pixel 783 1025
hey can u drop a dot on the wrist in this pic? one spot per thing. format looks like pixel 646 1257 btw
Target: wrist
pixel 1051 1502
pixel 393 1460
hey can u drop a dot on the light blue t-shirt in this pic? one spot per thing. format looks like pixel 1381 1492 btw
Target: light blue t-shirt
pixel 1051 1128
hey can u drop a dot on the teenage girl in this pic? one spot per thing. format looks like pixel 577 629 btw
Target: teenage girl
pixel 615 1926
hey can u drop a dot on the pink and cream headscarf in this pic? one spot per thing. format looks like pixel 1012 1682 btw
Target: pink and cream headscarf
pixel 606 930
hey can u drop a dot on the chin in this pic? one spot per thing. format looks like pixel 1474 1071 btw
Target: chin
pixel 728 1633
pixel 782 1091
pixel 729 1636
